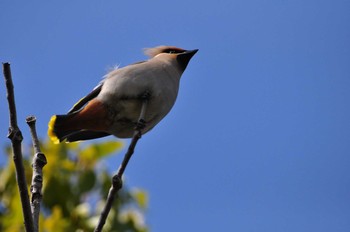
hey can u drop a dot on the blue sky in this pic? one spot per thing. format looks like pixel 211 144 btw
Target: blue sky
pixel 259 138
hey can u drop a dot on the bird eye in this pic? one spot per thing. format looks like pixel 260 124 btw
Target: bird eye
pixel 173 51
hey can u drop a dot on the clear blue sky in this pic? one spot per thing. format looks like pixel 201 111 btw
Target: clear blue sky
pixel 259 138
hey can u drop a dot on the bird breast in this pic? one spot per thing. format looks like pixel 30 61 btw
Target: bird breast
pixel 122 89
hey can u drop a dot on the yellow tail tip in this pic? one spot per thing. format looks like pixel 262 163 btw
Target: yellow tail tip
pixel 51 132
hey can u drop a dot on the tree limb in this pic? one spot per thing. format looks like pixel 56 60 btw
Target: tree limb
pixel 15 135
pixel 39 161
pixel 117 182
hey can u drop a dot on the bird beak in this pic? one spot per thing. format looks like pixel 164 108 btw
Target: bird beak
pixel 185 57
pixel 191 52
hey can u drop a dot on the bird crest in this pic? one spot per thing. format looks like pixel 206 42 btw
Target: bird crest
pixel 152 52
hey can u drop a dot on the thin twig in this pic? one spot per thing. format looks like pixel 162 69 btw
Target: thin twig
pixel 117 181
pixel 39 161
pixel 15 135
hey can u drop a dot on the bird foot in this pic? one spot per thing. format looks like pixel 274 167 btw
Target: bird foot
pixel 146 95
pixel 140 125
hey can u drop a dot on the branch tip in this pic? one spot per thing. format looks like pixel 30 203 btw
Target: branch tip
pixel 15 135
pixel 31 119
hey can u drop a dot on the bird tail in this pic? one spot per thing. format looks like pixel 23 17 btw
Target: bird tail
pixel 60 126
pixel 87 123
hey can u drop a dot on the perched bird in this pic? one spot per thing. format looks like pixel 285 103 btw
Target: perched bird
pixel 113 107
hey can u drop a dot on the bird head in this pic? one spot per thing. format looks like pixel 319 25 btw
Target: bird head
pixel 182 56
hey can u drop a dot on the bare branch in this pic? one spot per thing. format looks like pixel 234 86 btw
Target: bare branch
pixel 15 135
pixel 39 161
pixel 117 181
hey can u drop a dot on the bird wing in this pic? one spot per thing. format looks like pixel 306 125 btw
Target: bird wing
pixel 139 62
pixel 84 135
pixel 78 106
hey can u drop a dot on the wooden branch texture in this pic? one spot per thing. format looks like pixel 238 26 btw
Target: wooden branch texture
pixel 39 161
pixel 15 135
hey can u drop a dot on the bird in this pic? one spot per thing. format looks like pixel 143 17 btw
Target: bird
pixel 113 107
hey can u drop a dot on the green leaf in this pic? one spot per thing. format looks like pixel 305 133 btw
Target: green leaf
pixel 86 181
pixel 56 221
pixel 141 197
pixel 94 152
pixel 72 177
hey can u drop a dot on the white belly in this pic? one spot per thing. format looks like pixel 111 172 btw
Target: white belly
pixel 123 88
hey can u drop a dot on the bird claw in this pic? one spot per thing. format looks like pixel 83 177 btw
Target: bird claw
pixel 146 95
pixel 140 125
